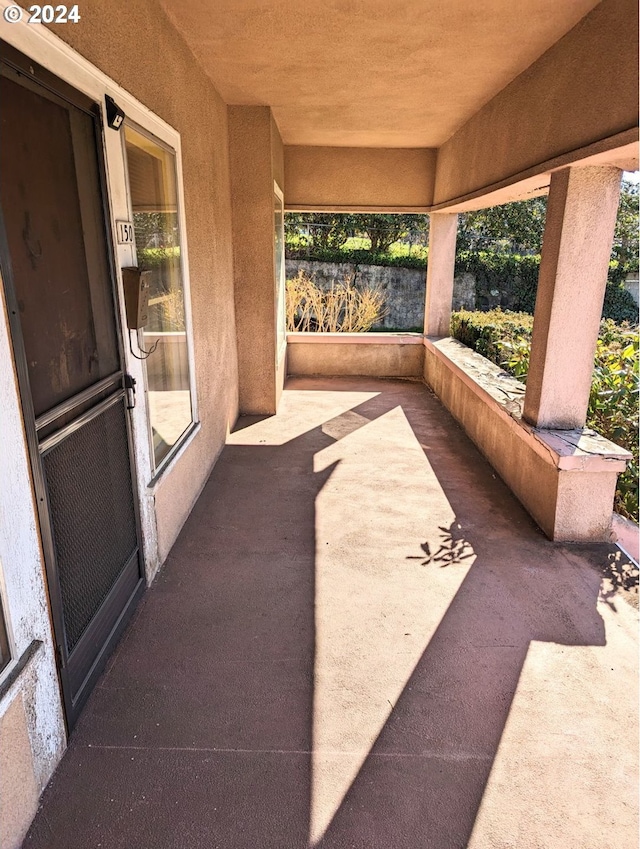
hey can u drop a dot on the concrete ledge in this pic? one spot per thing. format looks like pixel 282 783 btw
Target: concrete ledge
pixel 354 338
pixel 565 479
pixel 355 354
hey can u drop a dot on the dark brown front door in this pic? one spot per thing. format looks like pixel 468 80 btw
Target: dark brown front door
pixel 55 258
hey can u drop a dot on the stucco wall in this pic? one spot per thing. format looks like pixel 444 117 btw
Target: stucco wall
pixel 256 160
pixel 378 179
pixel 355 354
pixel 250 132
pixel 563 102
pixel 165 78
pixel 141 51
pixel 569 504
pixel 532 480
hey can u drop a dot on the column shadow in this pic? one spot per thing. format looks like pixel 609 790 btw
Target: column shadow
pixel 200 733
pixel 423 780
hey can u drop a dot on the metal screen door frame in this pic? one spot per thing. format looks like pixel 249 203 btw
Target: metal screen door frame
pixel 108 392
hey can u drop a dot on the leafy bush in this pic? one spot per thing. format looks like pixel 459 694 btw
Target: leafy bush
pixel 488 333
pixel 397 250
pixel 511 282
pixel 619 304
pixel 505 339
pixel 356 256
pixel 502 279
pixel 341 308
pixel 613 404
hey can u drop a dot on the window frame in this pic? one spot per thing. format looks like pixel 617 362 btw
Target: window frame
pixel 280 285
pixel 158 469
pixel 5 620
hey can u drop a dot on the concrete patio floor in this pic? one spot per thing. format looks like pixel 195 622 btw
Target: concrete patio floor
pixel 360 639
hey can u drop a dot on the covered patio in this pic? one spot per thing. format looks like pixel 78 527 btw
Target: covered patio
pixel 361 639
pixel 357 630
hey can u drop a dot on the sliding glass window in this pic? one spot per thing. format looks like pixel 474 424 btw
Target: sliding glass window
pixel 154 200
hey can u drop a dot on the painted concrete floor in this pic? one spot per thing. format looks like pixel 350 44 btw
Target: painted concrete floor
pixel 361 640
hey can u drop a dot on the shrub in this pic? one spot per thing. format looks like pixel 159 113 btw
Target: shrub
pixel 354 256
pixel 489 332
pixel 502 279
pixel 341 308
pixel 613 404
pixel 511 282
pixel 618 304
pixel 505 338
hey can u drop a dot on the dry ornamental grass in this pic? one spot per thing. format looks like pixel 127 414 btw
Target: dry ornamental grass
pixel 343 308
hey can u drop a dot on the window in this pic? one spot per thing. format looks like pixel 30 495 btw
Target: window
pixel 154 200
pixel 5 650
pixel 279 270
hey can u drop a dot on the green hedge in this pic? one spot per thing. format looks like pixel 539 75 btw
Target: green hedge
pixel 358 256
pixel 510 281
pixel 505 338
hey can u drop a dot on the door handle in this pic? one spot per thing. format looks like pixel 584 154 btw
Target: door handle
pixel 130 387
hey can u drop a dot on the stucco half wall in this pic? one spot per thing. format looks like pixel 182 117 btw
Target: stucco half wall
pixel 355 354
pixel 565 479
pixel 168 81
pixel 359 179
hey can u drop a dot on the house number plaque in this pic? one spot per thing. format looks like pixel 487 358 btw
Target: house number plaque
pixel 125 233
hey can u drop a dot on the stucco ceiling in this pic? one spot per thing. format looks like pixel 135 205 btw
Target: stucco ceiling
pixel 370 73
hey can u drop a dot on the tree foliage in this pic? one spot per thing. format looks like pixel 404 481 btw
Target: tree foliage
pixel 383 230
pixel 323 231
pixel 500 246
pixel 625 240
pixel 511 228
pixel 518 227
pixel 330 231
pixel 515 227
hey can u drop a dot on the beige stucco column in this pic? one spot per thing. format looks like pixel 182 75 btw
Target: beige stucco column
pixel 581 215
pixel 256 162
pixel 443 228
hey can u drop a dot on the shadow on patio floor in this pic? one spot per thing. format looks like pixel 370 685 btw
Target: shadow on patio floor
pixel 359 640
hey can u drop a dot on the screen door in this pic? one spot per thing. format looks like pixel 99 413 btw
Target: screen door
pixel 58 279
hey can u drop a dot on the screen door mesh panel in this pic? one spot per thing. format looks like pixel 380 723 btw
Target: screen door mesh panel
pixel 93 518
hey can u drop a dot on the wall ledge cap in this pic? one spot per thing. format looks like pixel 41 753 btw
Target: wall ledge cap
pixel 355 338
